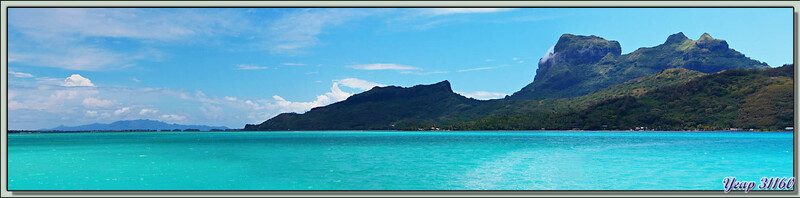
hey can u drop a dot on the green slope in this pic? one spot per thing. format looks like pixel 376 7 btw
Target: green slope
pixel 759 99
pixel 635 87
pixel 381 108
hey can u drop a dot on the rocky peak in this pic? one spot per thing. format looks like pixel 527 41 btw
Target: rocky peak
pixel 705 36
pixel 440 89
pixel 440 86
pixel 676 38
pixel 579 49
pixel 708 42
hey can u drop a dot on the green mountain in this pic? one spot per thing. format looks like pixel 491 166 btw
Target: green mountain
pixel 635 87
pixel 380 108
pixel 579 65
pixel 736 98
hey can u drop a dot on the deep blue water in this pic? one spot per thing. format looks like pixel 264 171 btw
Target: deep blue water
pixel 357 160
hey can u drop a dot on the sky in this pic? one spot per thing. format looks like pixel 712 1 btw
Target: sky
pixel 236 66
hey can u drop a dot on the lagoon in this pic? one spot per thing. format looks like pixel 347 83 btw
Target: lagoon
pixel 393 160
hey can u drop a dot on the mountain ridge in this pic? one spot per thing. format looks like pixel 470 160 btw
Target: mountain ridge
pixel 380 108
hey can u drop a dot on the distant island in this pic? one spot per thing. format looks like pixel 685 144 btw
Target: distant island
pixel 130 125
pixel 585 83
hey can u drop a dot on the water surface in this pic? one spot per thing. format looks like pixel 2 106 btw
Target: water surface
pixel 388 160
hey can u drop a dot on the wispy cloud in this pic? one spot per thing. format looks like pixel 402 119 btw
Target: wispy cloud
pixel 424 73
pixel 293 64
pixel 94 102
pixel 249 67
pixel 447 11
pixel 85 58
pixel 476 69
pixel 20 74
pixel 426 18
pixel 68 37
pixel 298 30
pixel 383 66
pixel 77 23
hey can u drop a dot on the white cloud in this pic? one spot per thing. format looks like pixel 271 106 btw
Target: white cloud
pixel 475 69
pixel 228 98
pixel 547 55
pixel 249 67
pixel 172 118
pixel 122 110
pixel 489 60
pixel 335 95
pixel 383 66
pixel 293 64
pixel 91 113
pixel 147 111
pixel 136 80
pixel 482 95
pixel 20 74
pixel 94 102
pixel 447 11
pixel 77 80
pixel 358 83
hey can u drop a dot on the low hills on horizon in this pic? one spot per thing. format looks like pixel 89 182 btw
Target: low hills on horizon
pixel 585 83
pixel 140 124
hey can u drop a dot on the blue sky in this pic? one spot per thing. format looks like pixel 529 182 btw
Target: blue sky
pixel 231 67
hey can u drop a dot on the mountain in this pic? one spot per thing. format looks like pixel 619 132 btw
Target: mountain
pixel 579 65
pixel 133 125
pixel 736 98
pixel 584 83
pixel 380 108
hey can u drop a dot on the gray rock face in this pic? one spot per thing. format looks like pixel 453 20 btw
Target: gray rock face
pixel 579 65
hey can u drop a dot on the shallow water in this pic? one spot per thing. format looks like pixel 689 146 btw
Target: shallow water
pixel 389 160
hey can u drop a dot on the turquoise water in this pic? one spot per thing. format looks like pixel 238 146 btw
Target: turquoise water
pixel 353 160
